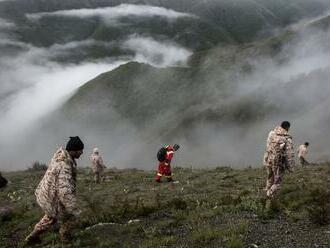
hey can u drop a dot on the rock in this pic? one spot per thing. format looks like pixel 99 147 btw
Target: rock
pixel 100 225
pixel 253 246
pixel 133 221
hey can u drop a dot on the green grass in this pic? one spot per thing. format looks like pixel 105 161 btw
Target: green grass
pixel 207 208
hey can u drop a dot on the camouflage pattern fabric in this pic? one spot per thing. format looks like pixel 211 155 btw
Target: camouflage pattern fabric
pixel 303 162
pixel 302 153
pixel 56 192
pixel 274 180
pixel 278 157
pixel 3 181
pixel 56 195
pixel 98 166
pixel 66 222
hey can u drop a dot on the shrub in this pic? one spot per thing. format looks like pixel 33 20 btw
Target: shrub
pixel 203 235
pixel 37 166
pixel 178 203
pixel 319 212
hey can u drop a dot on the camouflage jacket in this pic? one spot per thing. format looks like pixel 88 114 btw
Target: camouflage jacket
pixel 97 163
pixel 302 151
pixel 57 190
pixel 279 151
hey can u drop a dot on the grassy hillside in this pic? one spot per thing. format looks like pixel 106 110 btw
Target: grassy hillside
pixel 161 100
pixel 206 208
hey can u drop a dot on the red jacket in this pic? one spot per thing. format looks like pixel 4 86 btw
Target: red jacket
pixel 169 155
pixel 164 168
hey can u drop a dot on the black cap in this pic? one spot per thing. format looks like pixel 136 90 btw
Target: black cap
pixel 74 144
pixel 286 125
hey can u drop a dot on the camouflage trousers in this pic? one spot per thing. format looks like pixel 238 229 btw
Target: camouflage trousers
pixel 303 161
pixel 98 176
pixel 65 221
pixel 275 176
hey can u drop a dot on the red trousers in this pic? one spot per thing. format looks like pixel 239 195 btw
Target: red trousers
pixel 164 170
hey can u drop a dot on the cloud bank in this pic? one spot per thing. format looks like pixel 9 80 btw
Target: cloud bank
pixel 160 54
pixel 33 85
pixel 112 13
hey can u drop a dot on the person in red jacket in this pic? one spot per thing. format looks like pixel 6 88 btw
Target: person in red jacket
pixel 164 167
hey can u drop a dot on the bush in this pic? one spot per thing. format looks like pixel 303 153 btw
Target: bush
pixel 178 203
pixel 319 211
pixel 37 166
pixel 204 235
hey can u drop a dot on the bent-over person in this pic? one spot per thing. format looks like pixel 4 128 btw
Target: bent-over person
pixel 279 156
pixel 56 193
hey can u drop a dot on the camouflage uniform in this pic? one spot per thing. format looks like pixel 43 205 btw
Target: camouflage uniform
pixel 278 157
pixel 56 195
pixel 302 152
pixel 97 165
pixel 3 181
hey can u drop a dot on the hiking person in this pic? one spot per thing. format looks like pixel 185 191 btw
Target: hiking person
pixel 3 181
pixel 302 152
pixel 97 165
pixel 56 192
pixel 165 155
pixel 279 156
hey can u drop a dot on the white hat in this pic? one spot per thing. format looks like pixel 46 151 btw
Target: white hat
pixel 95 150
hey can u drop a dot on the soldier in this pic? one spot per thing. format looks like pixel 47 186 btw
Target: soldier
pixel 302 152
pixel 278 157
pixel 164 167
pixel 56 193
pixel 97 165
pixel 3 181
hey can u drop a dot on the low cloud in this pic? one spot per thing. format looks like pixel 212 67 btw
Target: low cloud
pixel 161 54
pixel 4 24
pixel 33 85
pixel 112 13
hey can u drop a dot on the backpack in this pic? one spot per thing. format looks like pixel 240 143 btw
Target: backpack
pixel 161 154
pixel 280 148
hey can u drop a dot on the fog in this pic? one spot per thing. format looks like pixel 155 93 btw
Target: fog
pixel 298 87
pixel 4 24
pixel 33 85
pixel 293 86
pixel 156 53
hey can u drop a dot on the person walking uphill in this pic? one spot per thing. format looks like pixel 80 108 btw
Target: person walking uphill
pixel 97 165
pixel 56 193
pixel 278 157
pixel 165 155
pixel 302 152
